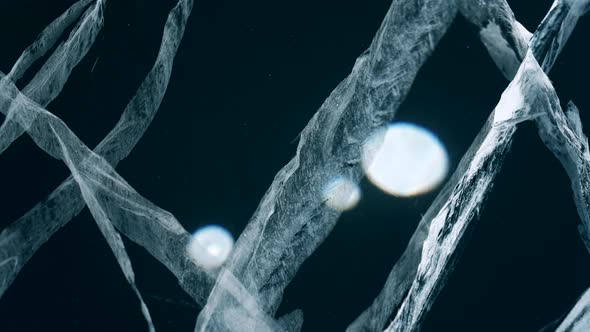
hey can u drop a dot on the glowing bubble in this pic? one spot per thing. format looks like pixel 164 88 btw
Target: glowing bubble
pixel 342 194
pixel 405 160
pixel 210 246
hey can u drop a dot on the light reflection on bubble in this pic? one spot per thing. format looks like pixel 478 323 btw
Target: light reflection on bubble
pixel 405 160
pixel 342 194
pixel 210 246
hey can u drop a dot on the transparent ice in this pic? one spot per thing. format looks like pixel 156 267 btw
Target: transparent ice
pixel 305 200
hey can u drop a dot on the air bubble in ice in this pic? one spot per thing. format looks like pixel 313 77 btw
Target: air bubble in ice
pixel 405 159
pixel 342 194
pixel 210 246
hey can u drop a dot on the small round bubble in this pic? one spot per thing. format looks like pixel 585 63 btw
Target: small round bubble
pixel 210 246
pixel 341 194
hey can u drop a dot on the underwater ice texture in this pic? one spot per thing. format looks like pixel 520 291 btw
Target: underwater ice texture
pixel 292 219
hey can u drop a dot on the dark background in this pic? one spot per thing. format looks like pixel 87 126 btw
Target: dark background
pixel 247 78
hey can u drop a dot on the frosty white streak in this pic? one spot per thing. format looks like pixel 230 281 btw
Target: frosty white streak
pixel 103 190
pixel 578 319
pixel 507 49
pixel 244 314
pixel 451 220
pixel 564 138
pixel 46 39
pixel 539 96
pixel 292 220
pixel 561 133
pixel 507 40
pixel 20 240
pixel 51 78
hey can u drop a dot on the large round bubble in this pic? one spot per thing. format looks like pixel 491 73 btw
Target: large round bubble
pixel 210 246
pixel 405 160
